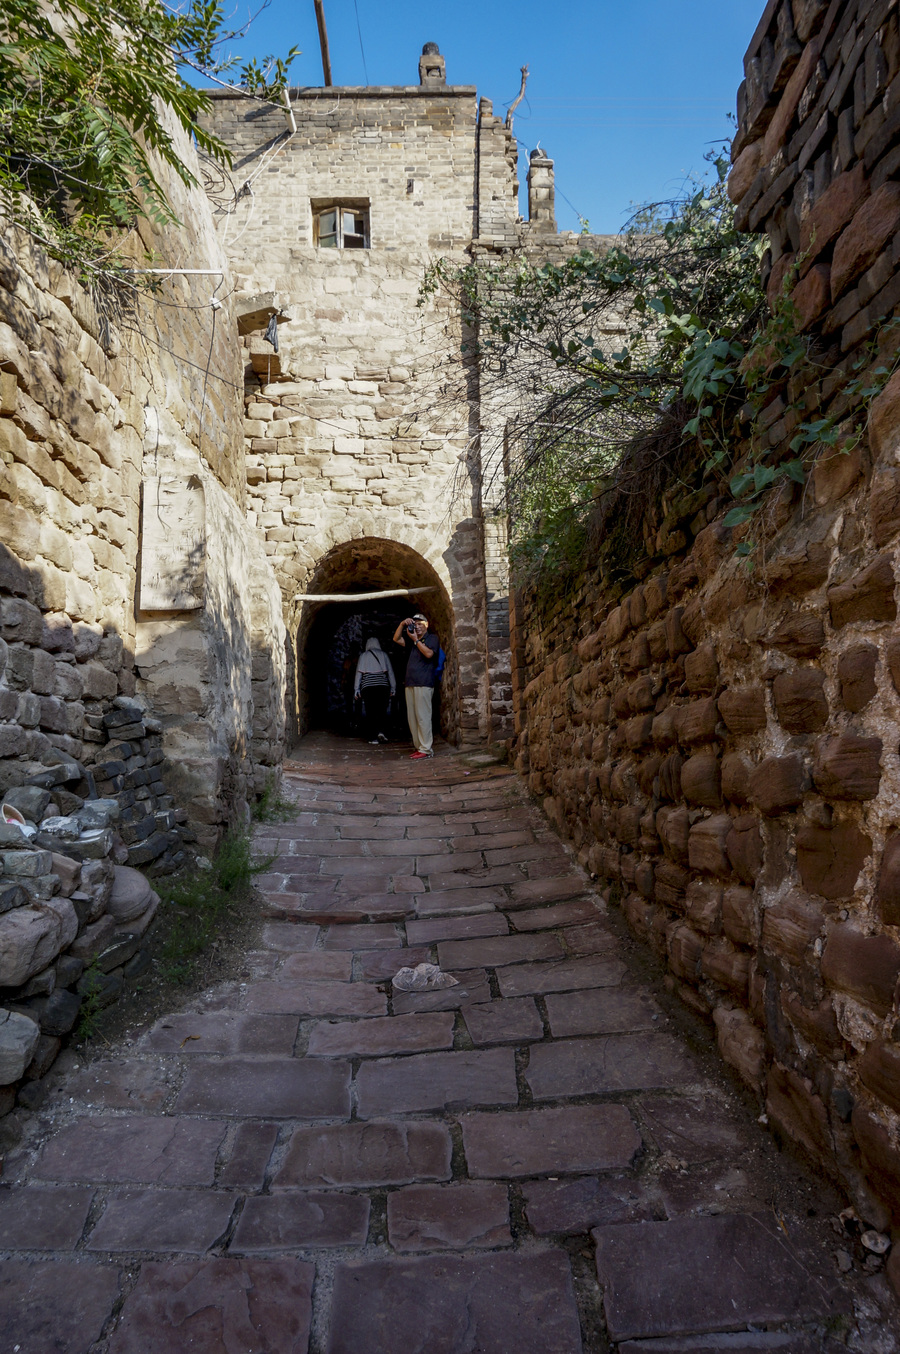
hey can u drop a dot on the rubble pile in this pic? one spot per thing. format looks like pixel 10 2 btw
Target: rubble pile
pixel 73 909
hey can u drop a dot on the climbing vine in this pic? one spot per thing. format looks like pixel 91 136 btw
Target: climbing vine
pixel 617 372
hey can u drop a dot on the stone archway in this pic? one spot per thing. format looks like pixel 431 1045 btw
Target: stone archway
pixel 327 632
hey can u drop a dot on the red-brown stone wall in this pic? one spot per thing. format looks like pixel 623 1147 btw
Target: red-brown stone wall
pixel 719 737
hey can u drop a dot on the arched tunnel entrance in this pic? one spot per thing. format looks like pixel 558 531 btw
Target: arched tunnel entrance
pixel 331 635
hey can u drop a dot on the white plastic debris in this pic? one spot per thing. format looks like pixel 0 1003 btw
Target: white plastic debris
pixel 14 818
pixel 423 978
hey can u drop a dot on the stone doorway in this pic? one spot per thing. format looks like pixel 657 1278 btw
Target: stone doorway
pixel 330 635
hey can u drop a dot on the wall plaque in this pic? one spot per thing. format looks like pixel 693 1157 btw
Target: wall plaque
pixel 173 544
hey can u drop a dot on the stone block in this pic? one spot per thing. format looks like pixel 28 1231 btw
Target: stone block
pixel 884 505
pixel 812 295
pixel 30 939
pixel 884 420
pixel 480 1300
pixel 702 1274
pixel 778 784
pixel 703 905
pixel 887 893
pixel 868 596
pixel 741 1044
pixel 738 917
pixel 684 947
pixel 182 1306
pixel 743 709
pixel 604 1011
pixel 697 721
pixel 707 851
pixel 443 1217
pixel 801 634
pixel 836 472
pixel 866 967
pixel 831 212
pixel 287 1222
pixel 701 780
pixel 880 1157
pixel 879 1072
pixel 270 1088
pixel 140 1149
pixel 60 1012
pixel 434 1081
pixel 380 1036
pixel 848 766
pixel 57 1304
pixel 365 1154
pixel 618 1062
pixel 19 1037
pixel 35 1218
pixel 495 951
pixel 863 239
pixel 830 859
pixel 800 701
pixel 560 1141
pixel 856 675
pixel 790 927
pixel 174 1221
pixel 736 770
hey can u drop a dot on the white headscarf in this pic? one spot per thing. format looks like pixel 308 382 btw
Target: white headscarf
pixel 374 660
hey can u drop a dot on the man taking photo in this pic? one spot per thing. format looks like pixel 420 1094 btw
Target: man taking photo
pixel 420 671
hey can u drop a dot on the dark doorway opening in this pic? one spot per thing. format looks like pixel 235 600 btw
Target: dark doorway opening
pixel 331 635
pixel 336 639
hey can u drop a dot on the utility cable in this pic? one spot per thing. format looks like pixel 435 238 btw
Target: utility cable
pixel 361 48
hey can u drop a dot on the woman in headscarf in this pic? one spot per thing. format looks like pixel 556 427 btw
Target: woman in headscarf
pixel 375 684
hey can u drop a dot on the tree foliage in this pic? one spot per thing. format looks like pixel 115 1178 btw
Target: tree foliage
pixel 582 359
pixel 618 374
pixel 86 90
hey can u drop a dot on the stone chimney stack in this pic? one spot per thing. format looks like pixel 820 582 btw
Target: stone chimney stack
pixel 541 207
pixel 432 67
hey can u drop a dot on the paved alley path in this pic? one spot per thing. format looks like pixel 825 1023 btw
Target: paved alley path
pixel 533 1162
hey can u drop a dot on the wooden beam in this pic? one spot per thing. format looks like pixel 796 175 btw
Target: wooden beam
pixel 360 596
pixel 323 43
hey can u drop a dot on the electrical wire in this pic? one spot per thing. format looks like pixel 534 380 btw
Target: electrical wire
pixel 361 48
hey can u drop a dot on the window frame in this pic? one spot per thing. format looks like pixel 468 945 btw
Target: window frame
pixel 342 208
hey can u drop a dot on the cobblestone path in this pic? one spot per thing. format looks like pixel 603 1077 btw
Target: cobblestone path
pixel 537 1161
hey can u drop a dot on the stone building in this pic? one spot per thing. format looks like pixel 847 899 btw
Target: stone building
pixel 364 443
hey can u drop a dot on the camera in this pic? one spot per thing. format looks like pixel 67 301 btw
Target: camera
pixel 411 631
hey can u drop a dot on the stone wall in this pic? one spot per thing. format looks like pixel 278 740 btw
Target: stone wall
pixel 139 715
pixel 97 398
pixel 720 741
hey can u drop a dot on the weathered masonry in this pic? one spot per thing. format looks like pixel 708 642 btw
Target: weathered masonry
pixel 363 453
pixel 721 744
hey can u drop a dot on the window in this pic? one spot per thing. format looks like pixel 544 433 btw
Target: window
pixel 340 226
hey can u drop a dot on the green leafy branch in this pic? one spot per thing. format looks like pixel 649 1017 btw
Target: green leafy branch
pixel 89 99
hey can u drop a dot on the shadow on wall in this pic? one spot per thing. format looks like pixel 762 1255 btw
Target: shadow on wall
pixel 60 677
pixel 330 635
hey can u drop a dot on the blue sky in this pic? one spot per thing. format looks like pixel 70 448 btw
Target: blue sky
pixel 625 95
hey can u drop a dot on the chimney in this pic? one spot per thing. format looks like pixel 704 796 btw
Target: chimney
pixel 541 208
pixel 432 67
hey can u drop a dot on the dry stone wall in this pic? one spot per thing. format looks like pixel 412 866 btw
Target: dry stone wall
pixel 721 742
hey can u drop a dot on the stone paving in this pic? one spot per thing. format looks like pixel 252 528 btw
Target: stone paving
pixel 537 1161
